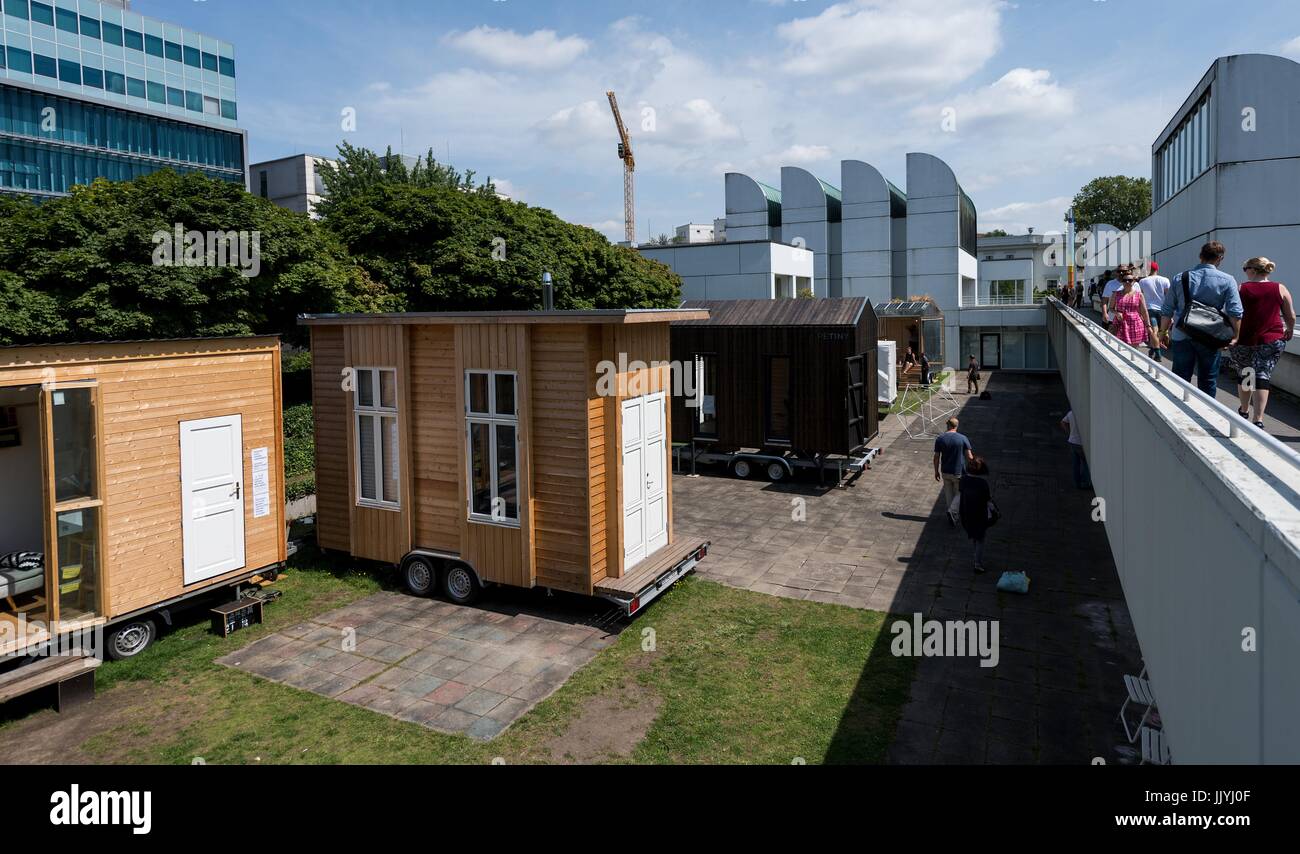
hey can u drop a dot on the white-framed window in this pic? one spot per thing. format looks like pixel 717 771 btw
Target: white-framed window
pixel 374 406
pixel 492 446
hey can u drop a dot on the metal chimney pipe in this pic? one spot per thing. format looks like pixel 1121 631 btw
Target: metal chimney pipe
pixel 548 292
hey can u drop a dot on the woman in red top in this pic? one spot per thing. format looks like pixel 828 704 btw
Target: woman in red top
pixel 1268 323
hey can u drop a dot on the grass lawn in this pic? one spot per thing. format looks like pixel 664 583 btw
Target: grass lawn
pixel 919 394
pixel 730 677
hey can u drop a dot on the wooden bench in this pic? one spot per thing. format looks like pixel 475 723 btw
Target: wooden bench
pixel 74 674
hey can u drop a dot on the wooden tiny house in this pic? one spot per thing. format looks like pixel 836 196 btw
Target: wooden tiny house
pixel 519 448
pixel 137 475
pixel 791 379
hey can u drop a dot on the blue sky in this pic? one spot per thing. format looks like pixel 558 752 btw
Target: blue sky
pixel 1046 94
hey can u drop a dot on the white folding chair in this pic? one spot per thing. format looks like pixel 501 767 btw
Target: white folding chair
pixel 1139 693
pixel 1155 749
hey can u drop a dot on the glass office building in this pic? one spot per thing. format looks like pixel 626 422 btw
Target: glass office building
pixel 91 89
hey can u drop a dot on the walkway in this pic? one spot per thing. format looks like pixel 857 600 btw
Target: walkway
pixel 883 544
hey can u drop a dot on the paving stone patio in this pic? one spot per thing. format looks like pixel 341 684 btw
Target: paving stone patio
pixel 884 544
pixel 454 669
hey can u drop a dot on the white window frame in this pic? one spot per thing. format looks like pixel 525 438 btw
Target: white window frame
pixel 378 412
pixel 492 419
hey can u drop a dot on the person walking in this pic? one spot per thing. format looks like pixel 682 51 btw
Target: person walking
pixel 972 376
pixel 951 452
pixel 1082 476
pixel 1267 324
pixel 1154 287
pixel 1207 284
pixel 978 512
pixel 1131 321
pixel 925 370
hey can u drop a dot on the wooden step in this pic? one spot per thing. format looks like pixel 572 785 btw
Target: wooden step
pixel 44 672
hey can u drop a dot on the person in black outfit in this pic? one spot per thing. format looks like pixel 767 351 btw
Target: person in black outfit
pixel 925 370
pixel 975 499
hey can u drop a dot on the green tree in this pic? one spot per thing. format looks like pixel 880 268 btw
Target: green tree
pixel 442 249
pixel 358 170
pixel 1114 200
pixel 83 267
pixel 997 232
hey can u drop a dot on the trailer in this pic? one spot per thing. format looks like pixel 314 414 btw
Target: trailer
pixel 779 385
pixel 525 449
pixel 139 478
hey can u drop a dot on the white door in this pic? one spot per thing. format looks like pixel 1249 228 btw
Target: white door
pixel 645 478
pixel 212 496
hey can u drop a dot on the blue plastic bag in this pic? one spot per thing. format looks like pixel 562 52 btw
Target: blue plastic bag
pixel 1014 582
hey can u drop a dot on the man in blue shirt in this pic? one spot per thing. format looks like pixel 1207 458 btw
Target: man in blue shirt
pixel 1211 286
pixel 951 451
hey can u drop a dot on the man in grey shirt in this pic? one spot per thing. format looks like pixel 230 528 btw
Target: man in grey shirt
pixel 1211 286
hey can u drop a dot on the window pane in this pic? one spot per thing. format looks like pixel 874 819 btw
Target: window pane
pixel 227 66
pixel 78 580
pixel 133 39
pixel 366 448
pixel 66 20
pixel 153 45
pixel 388 389
pixel 192 56
pixel 112 33
pixel 17 8
pixel 90 27
pixel 43 14
pixel 505 394
pixel 391 459
pixel 507 484
pixel 480 476
pixel 478 393
pixel 365 387
pixel 73 412
pixel 173 51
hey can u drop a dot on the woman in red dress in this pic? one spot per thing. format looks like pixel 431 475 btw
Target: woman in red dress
pixel 1131 323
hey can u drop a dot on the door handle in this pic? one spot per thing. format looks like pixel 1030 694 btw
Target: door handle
pixel 238 488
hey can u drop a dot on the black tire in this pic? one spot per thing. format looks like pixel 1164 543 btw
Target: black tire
pixel 742 469
pixel 460 584
pixel 419 576
pixel 776 472
pixel 130 638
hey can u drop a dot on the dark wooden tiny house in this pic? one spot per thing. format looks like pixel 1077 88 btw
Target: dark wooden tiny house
pixel 794 376
pixel 482 447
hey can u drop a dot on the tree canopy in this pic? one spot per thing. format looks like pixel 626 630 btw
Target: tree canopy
pixel 444 249
pixel 86 267
pixel 83 267
pixel 1114 200
pixel 357 170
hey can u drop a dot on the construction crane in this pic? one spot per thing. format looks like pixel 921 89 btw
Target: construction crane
pixel 629 170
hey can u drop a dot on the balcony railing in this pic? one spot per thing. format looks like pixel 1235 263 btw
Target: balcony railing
pixel 975 300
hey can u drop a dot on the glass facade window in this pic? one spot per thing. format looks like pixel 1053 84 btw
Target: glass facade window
pixel 112 34
pixel 19 59
pixel 90 27
pixel 66 20
pixel 133 39
pixel 172 51
pixel 1185 154
pixel 92 77
pixel 227 67
pixel 45 65
pixel 153 45
pixel 69 71
pixel 175 97
pixel 192 57
pixel 135 87
pixel 17 8
pixel 43 14
pixel 157 92
pixel 96 140
pixel 115 82
pixel 209 62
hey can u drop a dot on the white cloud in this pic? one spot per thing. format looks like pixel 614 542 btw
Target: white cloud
pixel 1017 100
pixel 577 125
pixel 1292 49
pixel 900 45
pixel 539 50
pixel 1017 217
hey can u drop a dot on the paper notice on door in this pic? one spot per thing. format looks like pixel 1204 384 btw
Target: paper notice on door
pixel 261 483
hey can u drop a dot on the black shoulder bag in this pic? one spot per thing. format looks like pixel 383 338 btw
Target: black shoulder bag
pixel 1204 324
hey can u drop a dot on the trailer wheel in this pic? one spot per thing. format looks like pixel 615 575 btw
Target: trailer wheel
pixel 129 639
pixel 776 472
pixel 419 576
pixel 741 468
pixel 460 584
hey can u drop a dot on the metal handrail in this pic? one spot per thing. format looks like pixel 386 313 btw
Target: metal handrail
pixel 1155 369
